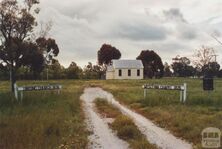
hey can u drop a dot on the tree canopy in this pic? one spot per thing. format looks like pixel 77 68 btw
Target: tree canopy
pixel 107 53
pixel 73 71
pixel 212 69
pixel 153 65
pixel 182 68
pixel 17 47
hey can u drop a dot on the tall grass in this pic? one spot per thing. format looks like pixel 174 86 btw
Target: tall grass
pixel 43 120
pixel 48 120
pixel 202 109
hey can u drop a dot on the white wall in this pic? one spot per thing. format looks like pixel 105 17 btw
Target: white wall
pixel 109 75
pixel 125 74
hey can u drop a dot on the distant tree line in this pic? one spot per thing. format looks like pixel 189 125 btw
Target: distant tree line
pixel 153 66
pixel 204 64
pixel 57 71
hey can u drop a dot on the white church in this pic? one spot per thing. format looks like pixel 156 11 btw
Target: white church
pixel 125 69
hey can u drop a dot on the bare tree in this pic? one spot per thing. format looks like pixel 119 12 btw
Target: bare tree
pixel 203 56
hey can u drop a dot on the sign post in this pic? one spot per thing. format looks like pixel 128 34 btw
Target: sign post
pixel 181 88
pixel 19 90
pixel 16 91
pixel 208 84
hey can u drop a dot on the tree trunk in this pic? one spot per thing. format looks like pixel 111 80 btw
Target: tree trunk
pixel 12 79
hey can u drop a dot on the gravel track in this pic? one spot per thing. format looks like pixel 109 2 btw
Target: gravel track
pixel 103 137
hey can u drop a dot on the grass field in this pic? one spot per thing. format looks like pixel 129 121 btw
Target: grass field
pixel 48 120
pixel 44 120
pixel 163 107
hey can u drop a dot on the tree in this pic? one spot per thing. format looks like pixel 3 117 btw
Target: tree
pixel 203 56
pixel 55 70
pixel 220 74
pixel 17 48
pixel 153 65
pixel 3 74
pixel 73 71
pixel 182 68
pixel 93 71
pixel 107 53
pixel 167 71
pixel 211 69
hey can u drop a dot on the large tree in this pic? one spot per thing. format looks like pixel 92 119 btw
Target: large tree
pixel 17 47
pixel 107 53
pixel 153 65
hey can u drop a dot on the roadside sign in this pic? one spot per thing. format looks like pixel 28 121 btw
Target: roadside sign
pixel 20 90
pixel 208 84
pixel 181 88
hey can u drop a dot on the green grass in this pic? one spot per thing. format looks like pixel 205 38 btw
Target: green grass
pixel 43 120
pixel 47 120
pixel 123 126
pixel 163 107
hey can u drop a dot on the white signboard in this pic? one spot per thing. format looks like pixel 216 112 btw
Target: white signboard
pixel 19 90
pixel 181 88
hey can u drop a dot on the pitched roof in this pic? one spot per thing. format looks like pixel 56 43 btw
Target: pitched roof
pixel 136 64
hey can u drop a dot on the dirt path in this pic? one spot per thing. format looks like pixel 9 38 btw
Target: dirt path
pixel 103 136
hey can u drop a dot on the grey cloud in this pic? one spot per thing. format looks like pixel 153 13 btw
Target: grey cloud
pixel 188 35
pixel 216 33
pixel 142 32
pixel 82 26
pixel 174 14
pixel 187 32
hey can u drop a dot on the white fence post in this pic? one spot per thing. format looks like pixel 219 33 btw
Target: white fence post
pixel 185 93
pixel 21 95
pixel 16 91
pixel 145 93
pixel 181 88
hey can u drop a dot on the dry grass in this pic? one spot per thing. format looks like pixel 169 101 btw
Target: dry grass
pixel 106 109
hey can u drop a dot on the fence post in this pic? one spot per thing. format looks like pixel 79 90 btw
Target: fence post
pixel 144 93
pixel 21 95
pixel 185 93
pixel 181 96
pixel 16 91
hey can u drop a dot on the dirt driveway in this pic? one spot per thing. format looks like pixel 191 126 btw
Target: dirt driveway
pixel 103 137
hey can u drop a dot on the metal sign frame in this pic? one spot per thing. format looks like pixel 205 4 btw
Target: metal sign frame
pixel 181 88
pixel 19 90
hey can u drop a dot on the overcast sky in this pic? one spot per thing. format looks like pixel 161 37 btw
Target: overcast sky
pixel 169 27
